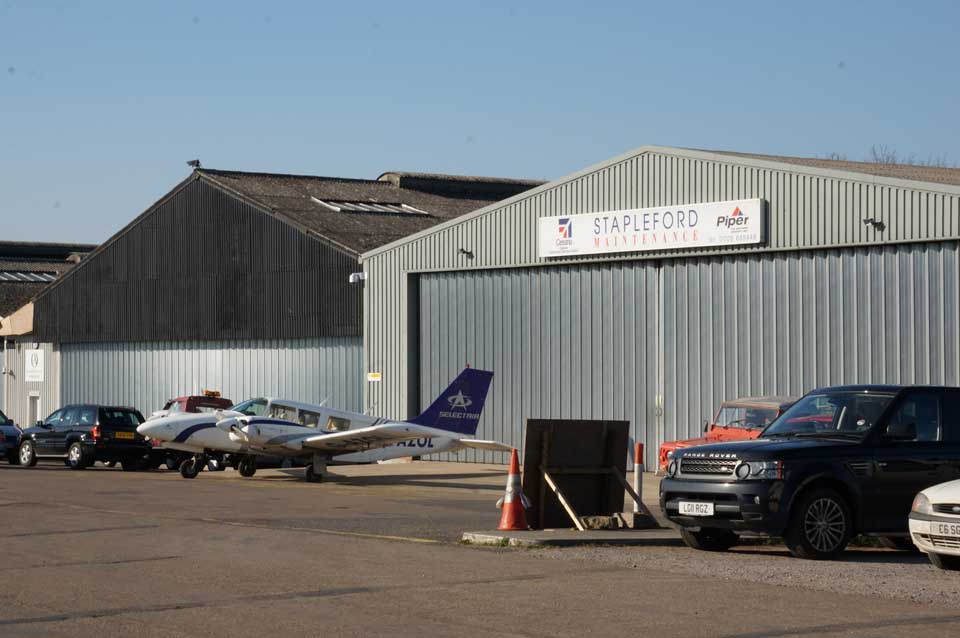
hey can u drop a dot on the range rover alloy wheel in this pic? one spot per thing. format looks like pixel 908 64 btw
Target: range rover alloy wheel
pixel 820 526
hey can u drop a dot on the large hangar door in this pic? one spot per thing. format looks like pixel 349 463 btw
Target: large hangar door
pixel 573 342
pixel 785 323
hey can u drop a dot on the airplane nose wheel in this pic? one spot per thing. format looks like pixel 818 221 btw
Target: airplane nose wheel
pixel 248 466
pixel 191 467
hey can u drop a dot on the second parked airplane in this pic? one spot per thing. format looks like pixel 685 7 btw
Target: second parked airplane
pixel 291 429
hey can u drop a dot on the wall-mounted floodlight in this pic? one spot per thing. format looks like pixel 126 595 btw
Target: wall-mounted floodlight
pixel 876 223
pixel 356 277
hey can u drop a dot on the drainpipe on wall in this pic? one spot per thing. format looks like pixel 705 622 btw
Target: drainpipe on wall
pixel 6 373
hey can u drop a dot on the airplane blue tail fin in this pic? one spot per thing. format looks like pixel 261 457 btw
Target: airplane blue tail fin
pixel 458 408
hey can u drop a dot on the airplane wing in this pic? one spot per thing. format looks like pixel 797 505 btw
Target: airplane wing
pixel 478 444
pixel 377 436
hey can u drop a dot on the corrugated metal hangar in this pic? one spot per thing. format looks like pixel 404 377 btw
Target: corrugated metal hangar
pixel 232 281
pixel 654 285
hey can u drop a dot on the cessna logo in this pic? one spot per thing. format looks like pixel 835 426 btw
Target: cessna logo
pixel 460 401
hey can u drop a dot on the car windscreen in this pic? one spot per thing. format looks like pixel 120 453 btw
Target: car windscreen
pixel 253 407
pixel 745 416
pixel 120 417
pixel 831 414
pixel 209 408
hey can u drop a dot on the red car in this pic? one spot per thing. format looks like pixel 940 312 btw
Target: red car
pixel 209 401
pixel 735 421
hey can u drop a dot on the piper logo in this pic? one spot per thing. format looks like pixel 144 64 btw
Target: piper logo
pixel 460 401
pixel 736 218
pixel 565 228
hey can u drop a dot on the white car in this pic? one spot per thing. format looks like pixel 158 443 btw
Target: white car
pixel 935 524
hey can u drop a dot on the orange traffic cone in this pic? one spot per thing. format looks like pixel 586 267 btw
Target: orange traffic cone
pixel 513 502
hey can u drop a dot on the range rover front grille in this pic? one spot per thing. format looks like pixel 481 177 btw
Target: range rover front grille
pixel 947 508
pixel 715 467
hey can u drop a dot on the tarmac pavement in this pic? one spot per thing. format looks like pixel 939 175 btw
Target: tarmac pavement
pixel 371 553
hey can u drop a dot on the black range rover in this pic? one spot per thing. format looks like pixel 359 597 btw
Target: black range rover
pixel 841 461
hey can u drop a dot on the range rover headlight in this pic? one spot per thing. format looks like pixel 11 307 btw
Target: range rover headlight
pixel 921 504
pixel 760 470
pixel 672 468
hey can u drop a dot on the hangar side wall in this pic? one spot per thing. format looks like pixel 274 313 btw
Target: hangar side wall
pixel 808 209
pixel 662 344
pixel 19 391
pixel 145 375
pixel 203 265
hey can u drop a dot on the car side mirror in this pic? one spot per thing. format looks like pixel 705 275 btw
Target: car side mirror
pixel 901 431
pixel 42 424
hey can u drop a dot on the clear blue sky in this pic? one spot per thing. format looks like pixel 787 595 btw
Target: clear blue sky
pixel 101 103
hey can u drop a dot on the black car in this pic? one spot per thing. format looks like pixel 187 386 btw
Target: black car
pixel 841 461
pixel 80 435
pixel 9 439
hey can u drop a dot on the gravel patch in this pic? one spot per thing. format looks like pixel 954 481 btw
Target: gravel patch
pixel 870 572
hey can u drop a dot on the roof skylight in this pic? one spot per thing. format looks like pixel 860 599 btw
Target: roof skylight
pixel 376 208
pixel 28 277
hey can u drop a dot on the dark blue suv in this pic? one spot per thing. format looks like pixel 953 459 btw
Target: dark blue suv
pixel 9 439
pixel 80 435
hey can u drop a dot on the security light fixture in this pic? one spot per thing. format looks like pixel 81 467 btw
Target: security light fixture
pixel 357 277
pixel 195 163
pixel 467 253
pixel 876 223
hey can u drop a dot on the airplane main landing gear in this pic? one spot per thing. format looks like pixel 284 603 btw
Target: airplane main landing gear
pixel 247 466
pixel 315 471
pixel 312 477
pixel 192 466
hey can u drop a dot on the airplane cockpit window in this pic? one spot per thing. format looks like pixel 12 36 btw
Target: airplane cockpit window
pixel 253 407
pixel 310 419
pixel 283 412
pixel 337 424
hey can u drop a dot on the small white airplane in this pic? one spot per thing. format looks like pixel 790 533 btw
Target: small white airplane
pixel 277 427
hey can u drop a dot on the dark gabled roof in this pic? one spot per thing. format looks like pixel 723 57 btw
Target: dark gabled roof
pixel 935 174
pixel 293 198
pixel 22 259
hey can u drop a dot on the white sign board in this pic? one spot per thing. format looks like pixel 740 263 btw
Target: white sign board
pixel 649 229
pixel 33 363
